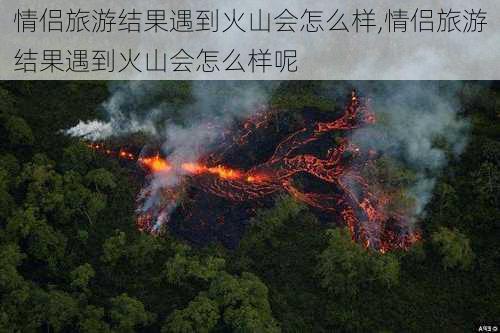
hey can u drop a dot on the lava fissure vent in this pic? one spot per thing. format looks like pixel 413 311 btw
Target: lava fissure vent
pixel 363 212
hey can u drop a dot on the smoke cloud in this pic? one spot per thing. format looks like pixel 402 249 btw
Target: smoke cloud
pixel 419 124
pixel 122 113
pixel 188 132
pixel 217 106
pixel 414 116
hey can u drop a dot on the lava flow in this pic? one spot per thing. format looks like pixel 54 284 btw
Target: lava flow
pixel 365 214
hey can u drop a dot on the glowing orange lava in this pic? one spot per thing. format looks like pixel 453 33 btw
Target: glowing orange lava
pixel 155 163
pixel 365 213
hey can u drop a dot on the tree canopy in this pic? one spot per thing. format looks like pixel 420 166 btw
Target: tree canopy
pixel 72 260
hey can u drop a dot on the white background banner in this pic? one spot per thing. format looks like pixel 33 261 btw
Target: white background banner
pixel 250 40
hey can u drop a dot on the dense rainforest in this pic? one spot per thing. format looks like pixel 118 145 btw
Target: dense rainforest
pixel 72 259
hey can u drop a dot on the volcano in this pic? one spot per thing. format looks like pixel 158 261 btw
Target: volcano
pixel 312 159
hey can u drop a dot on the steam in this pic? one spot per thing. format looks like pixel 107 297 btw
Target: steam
pixel 419 124
pixel 91 130
pixel 188 132
pixel 216 107
pixel 122 114
pixel 413 118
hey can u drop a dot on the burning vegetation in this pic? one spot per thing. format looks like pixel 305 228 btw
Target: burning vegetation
pixel 316 164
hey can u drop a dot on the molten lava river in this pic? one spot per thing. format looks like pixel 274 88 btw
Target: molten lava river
pixel 228 189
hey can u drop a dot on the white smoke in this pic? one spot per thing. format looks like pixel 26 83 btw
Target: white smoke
pixel 122 117
pixel 414 116
pixel 219 103
pixel 91 130
pixel 215 108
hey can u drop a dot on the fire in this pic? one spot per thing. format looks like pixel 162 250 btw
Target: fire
pixel 225 173
pixel 155 164
pixel 127 155
pixel 363 212
pixel 257 179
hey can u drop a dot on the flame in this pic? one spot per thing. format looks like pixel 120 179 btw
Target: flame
pixel 155 164
pixel 127 155
pixel 220 170
pixel 256 178
pixel 225 173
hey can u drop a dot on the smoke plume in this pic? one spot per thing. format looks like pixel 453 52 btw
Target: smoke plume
pixel 420 125
pixel 124 113
pixel 188 132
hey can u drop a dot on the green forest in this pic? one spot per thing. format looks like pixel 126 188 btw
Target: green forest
pixel 72 259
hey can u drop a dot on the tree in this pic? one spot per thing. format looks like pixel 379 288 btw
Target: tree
pixel 487 183
pixel 44 185
pixel 57 308
pixel 128 313
pixel 43 242
pixel 10 164
pixel 490 150
pixel 10 258
pixel 114 248
pixel 201 315
pixel 77 157
pixel 385 269
pixel 389 177
pixel 101 179
pixel 6 102
pixel 447 198
pixel 79 200
pixel 185 265
pixel 244 303
pixel 81 276
pixel 6 201
pixel 454 248
pixel 344 266
pixel 9 168
pixel 18 131
pixel 92 320
pixel 23 223
pixel 142 251
pixel 63 198
pixel 265 225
